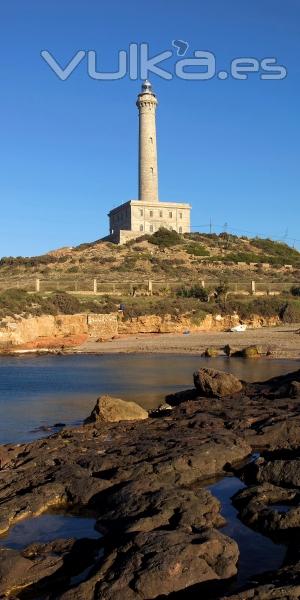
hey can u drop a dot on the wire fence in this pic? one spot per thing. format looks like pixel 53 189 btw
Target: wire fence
pixel 89 286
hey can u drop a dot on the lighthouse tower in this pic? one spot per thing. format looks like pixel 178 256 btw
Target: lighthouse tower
pixel 147 214
pixel 148 176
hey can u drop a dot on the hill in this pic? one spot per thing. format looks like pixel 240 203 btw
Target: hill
pixel 164 256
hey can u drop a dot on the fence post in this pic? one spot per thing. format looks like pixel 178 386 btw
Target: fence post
pixel 150 287
pixel 253 287
pixel 37 285
pixel 95 286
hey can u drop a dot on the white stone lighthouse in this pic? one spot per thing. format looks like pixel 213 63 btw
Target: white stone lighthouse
pixel 147 214
pixel 148 176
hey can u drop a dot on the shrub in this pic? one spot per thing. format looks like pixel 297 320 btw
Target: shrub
pixel 165 238
pixel 290 312
pixel 65 303
pixel 295 290
pixel 197 250
pixel 222 290
pixel 278 252
pixel 195 291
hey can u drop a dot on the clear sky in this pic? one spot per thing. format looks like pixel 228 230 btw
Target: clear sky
pixel 69 149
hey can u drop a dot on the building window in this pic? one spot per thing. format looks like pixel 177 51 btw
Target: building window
pixel 160 213
pixel 151 213
pixel 180 229
pixel 180 215
pixel 170 215
pixel 152 170
pixel 141 228
pixel 151 228
pixel 141 212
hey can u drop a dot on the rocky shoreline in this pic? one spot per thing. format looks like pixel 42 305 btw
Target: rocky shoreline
pixel 145 482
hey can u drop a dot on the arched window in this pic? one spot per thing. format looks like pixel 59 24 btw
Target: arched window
pixel 151 228
pixel 180 229
pixel 141 228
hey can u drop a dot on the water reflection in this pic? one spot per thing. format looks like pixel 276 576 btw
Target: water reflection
pixel 39 391
pixel 258 553
pixel 47 528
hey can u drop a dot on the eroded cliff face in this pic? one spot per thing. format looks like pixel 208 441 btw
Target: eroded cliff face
pixel 48 331
pixel 169 324
pixel 59 331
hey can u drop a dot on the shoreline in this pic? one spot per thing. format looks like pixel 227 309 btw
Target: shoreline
pixel 279 342
pixel 275 342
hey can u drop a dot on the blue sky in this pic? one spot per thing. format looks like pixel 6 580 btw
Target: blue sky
pixel 69 149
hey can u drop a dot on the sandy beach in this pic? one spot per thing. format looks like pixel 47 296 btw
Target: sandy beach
pixel 281 342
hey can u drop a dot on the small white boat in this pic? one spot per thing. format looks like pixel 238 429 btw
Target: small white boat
pixel 238 328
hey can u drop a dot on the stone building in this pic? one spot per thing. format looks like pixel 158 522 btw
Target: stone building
pixel 147 214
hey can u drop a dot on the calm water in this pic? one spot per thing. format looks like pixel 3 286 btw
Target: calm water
pixel 258 553
pixel 47 528
pixel 39 391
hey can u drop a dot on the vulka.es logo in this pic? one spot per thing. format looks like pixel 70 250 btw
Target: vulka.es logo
pixel 136 63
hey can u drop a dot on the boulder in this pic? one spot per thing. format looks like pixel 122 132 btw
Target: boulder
pixel 211 352
pixel 112 409
pixel 158 563
pixel 251 352
pixel 210 382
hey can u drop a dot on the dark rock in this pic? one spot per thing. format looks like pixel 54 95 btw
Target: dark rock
pixel 158 563
pixel 144 481
pixel 255 505
pixel 161 411
pixel 282 585
pixel 280 472
pixel 294 391
pixel 145 506
pixel 210 382
pixel 179 397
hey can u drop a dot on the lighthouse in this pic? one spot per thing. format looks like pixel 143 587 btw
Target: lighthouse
pixel 148 213
pixel 148 174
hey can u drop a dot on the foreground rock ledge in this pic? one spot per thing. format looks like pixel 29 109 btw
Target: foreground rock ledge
pixel 144 481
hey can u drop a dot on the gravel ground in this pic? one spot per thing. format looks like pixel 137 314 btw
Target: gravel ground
pixel 283 342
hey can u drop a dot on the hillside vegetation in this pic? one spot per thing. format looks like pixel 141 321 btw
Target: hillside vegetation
pixel 165 256
pixel 17 303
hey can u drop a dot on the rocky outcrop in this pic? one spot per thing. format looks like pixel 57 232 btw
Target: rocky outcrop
pixel 145 483
pixel 210 382
pixel 63 331
pixel 269 508
pixel 113 410
pixel 48 331
pixel 163 562
pixel 181 323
